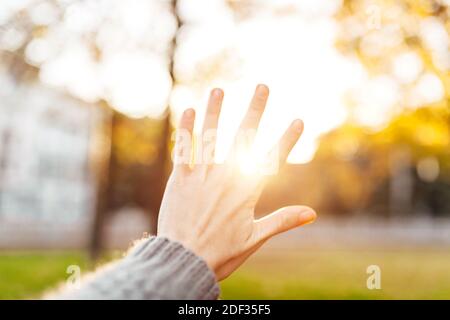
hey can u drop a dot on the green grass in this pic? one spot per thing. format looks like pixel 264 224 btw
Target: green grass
pixel 27 275
pixel 308 274
pixel 302 274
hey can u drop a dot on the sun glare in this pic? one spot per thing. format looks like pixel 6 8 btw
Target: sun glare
pixel 247 165
pixel 289 45
pixel 298 67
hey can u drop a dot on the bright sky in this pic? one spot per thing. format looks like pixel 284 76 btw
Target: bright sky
pixel 293 52
pixel 287 44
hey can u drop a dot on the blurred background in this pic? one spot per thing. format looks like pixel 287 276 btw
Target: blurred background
pixel 90 92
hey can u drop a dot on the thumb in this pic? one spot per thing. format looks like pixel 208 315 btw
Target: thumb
pixel 283 220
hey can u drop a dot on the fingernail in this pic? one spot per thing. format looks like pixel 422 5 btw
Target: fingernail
pixel 298 125
pixel 308 216
pixel 217 93
pixel 189 113
pixel 262 89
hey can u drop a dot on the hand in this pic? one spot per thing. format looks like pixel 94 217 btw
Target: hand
pixel 209 207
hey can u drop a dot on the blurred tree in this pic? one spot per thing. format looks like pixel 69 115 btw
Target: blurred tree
pixel 131 162
pixel 351 171
pixel 406 40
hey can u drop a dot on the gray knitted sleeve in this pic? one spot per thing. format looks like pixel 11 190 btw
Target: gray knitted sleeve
pixel 156 268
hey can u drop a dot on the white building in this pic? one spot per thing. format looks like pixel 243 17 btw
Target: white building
pixel 47 191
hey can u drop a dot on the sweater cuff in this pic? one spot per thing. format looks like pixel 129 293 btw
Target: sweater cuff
pixel 181 273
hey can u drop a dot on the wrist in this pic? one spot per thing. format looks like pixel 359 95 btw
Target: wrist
pixel 191 273
pixel 195 247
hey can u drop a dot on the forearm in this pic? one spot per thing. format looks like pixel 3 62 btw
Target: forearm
pixel 156 268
